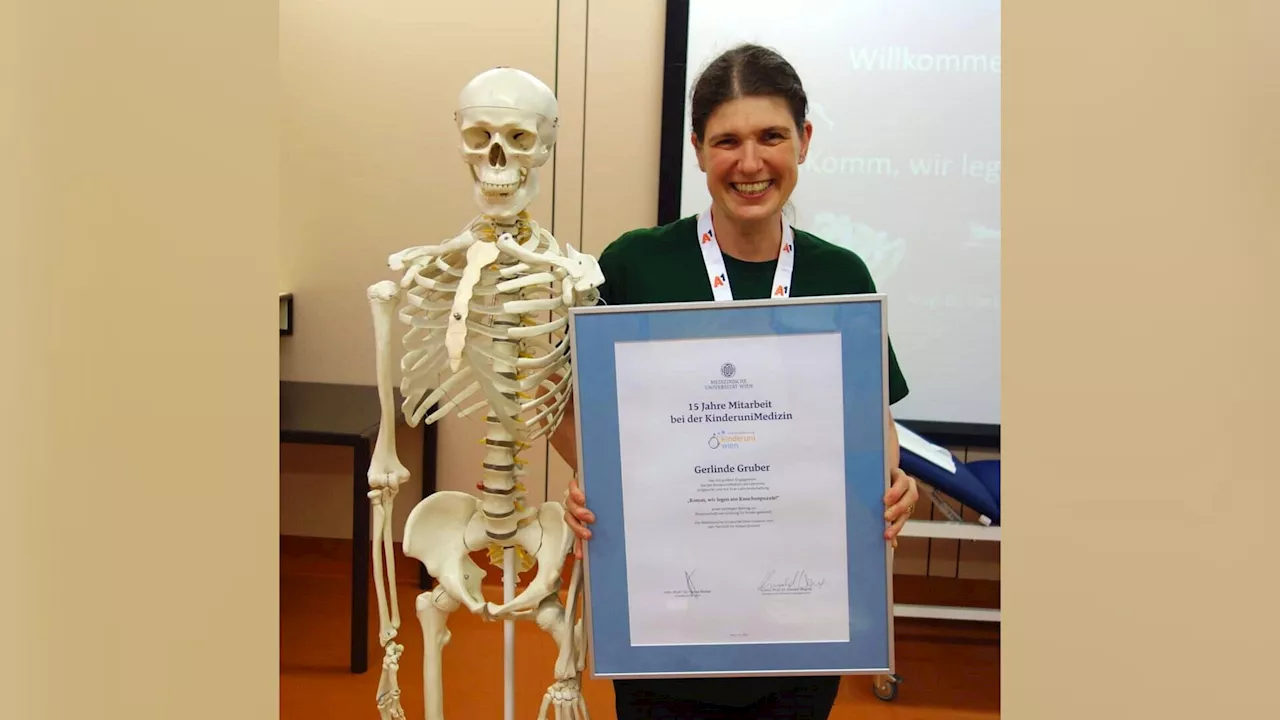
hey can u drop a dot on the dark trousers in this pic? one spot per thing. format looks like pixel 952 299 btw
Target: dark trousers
pixel 802 701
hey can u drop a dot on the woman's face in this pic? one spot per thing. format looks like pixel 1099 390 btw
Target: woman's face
pixel 751 154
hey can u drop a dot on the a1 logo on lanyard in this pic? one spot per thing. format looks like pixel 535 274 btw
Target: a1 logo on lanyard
pixel 719 277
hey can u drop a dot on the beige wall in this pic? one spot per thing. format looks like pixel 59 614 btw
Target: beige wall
pixel 370 166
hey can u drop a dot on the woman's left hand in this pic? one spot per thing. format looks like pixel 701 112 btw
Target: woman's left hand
pixel 900 503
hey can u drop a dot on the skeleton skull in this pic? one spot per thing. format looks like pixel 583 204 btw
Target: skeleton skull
pixel 508 120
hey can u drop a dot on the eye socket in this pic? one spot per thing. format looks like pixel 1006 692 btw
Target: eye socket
pixel 475 137
pixel 522 139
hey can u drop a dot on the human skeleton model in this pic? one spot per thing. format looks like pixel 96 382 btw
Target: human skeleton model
pixel 487 312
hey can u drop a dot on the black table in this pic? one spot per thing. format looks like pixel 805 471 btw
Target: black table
pixel 348 415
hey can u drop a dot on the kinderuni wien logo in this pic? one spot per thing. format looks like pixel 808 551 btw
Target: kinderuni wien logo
pixel 724 440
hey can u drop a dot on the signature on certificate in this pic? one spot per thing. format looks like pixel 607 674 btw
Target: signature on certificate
pixel 798 582
pixel 690 587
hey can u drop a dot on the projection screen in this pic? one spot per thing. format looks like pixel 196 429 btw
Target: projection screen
pixel 904 169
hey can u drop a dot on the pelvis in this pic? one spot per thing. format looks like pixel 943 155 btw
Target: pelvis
pixel 445 528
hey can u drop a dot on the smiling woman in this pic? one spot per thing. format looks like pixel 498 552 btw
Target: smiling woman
pixel 751 136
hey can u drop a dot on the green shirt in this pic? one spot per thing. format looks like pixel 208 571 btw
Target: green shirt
pixel 664 264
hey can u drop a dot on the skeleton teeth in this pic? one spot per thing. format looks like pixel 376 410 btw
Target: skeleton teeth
pixel 493 188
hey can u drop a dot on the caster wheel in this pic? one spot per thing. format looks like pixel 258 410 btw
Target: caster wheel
pixel 885 687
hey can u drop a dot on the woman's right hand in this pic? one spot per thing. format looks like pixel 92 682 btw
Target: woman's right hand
pixel 578 516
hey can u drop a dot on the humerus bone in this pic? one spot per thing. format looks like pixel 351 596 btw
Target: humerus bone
pixel 486 314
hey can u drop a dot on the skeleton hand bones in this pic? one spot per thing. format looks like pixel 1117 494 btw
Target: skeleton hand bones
pixel 565 695
pixel 565 698
pixel 388 687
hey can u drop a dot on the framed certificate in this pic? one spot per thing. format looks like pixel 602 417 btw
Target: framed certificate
pixel 735 456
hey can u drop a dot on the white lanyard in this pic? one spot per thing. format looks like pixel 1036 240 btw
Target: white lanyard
pixel 719 277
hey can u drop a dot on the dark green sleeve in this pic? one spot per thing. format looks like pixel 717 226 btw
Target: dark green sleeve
pixel 898 388
pixel 614 289
pixel 897 382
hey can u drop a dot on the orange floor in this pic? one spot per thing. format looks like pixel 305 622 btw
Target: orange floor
pixel 950 670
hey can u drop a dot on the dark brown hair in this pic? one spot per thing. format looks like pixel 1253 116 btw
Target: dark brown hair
pixel 746 70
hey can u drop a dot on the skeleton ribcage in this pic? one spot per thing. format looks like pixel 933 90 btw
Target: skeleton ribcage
pixel 514 364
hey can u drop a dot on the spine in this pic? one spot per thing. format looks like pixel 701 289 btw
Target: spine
pixel 503 497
